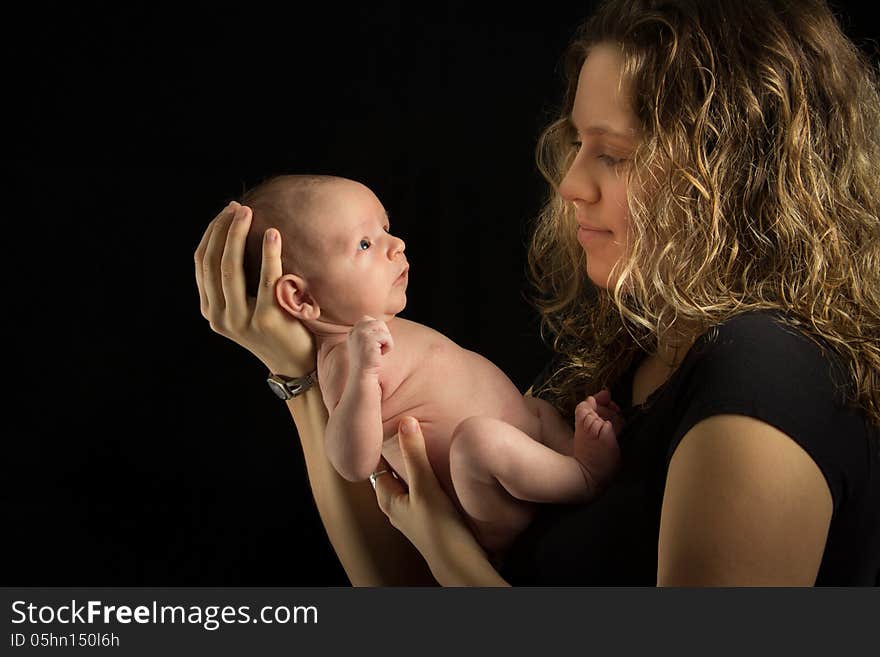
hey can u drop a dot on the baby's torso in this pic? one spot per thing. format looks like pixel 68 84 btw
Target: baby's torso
pixel 429 377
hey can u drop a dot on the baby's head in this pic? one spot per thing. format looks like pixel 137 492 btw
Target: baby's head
pixel 339 261
pixel 286 203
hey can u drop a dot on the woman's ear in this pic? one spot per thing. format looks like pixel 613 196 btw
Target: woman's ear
pixel 293 295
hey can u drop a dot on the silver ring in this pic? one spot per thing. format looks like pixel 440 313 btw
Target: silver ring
pixel 376 475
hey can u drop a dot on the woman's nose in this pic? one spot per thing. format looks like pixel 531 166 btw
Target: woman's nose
pixel 578 184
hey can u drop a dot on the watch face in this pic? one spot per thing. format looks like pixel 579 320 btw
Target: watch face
pixel 279 390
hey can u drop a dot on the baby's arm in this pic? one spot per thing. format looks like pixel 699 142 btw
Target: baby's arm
pixel 353 439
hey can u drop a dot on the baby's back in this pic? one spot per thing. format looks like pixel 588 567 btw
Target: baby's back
pixel 431 378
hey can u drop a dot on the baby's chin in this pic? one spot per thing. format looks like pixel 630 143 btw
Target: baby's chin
pixel 388 312
pixel 376 314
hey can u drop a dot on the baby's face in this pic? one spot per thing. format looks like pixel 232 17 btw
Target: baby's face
pixel 363 269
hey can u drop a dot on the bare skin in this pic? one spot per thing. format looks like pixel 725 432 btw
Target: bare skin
pixel 428 541
pixel 494 452
pixel 370 550
pixel 730 479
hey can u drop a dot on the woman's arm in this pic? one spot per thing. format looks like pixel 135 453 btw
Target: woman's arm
pixel 744 505
pixel 428 518
pixel 370 550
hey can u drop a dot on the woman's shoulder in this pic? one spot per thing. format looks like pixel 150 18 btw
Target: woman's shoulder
pixel 762 366
pixel 757 363
pixel 761 329
pixel 769 351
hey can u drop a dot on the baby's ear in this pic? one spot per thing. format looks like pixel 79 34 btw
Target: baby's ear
pixel 293 296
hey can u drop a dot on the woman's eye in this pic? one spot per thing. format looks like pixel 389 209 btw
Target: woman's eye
pixel 610 161
pixel 576 145
pixel 364 245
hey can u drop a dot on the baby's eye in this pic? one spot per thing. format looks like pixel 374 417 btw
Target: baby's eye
pixel 364 244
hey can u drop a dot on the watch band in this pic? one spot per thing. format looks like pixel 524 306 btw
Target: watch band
pixel 287 388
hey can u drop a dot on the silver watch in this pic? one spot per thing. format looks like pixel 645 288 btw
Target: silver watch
pixel 288 388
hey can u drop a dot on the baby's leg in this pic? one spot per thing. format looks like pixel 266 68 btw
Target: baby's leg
pixel 498 471
pixel 553 431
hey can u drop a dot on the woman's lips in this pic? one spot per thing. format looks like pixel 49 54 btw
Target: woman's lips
pixel 588 235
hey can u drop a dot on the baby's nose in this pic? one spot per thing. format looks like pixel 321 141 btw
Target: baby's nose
pixel 397 246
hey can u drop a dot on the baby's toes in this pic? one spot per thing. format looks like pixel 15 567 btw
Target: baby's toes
pixel 598 427
pixel 583 411
pixel 606 433
pixel 592 424
pixel 580 412
pixel 591 403
pixel 605 412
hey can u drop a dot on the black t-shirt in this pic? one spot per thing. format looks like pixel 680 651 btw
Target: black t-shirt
pixel 750 365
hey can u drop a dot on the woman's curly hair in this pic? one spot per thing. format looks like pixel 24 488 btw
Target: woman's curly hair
pixel 759 175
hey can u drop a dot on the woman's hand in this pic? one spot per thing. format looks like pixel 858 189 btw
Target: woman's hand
pixel 259 325
pixel 427 517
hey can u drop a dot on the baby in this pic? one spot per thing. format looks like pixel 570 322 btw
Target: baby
pixel 494 451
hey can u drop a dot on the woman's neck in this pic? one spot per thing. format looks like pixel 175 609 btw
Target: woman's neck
pixel 672 352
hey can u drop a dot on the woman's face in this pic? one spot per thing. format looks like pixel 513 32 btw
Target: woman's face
pixel 595 182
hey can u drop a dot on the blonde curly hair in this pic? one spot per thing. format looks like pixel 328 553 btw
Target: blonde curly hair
pixel 761 132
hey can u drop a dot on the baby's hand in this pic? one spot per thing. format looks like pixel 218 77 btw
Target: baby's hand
pixel 368 341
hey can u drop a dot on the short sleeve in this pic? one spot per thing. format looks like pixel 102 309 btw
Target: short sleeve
pixel 757 367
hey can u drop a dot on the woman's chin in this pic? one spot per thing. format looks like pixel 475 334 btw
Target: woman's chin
pixel 599 277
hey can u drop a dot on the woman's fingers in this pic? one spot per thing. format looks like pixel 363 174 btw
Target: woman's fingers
pixel 232 263
pixel 392 494
pixel 423 512
pixel 270 269
pixel 200 260
pixel 212 278
pixel 390 490
pixel 419 473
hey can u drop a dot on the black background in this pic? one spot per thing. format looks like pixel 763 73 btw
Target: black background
pixel 146 449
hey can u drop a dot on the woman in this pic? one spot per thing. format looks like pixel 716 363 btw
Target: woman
pixel 711 252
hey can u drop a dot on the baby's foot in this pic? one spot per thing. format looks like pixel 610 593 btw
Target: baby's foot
pixel 597 422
